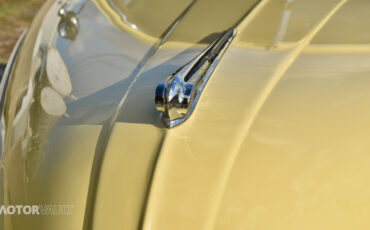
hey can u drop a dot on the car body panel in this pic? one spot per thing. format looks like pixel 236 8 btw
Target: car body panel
pixel 278 139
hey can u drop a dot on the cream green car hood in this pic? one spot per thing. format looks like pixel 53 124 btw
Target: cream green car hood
pixel 278 139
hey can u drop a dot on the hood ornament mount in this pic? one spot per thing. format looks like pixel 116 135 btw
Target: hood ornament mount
pixel 177 97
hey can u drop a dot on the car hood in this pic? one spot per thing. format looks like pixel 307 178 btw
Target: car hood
pixel 278 139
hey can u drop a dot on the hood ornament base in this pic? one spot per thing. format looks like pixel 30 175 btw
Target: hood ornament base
pixel 177 97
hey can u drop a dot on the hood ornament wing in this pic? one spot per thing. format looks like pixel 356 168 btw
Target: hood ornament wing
pixel 177 97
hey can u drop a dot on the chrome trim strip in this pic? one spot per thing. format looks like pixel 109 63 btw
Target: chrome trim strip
pixel 177 97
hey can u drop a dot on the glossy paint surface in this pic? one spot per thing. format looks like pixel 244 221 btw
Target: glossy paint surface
pixel 278 140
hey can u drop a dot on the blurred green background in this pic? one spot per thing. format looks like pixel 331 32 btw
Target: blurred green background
pixel 15 17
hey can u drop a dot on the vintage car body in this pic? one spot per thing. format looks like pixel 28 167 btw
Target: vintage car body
pixel 279 138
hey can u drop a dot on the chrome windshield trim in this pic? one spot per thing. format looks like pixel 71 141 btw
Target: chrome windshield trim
pixel 177 97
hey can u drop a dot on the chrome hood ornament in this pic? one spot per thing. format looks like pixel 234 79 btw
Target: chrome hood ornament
pixel 68 25
pixel 177 97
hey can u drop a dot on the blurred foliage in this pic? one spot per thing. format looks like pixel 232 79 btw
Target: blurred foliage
pixel 15 17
